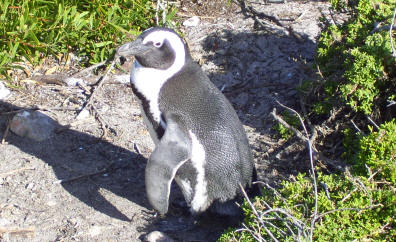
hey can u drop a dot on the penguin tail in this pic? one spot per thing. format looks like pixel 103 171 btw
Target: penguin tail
pixel 254 189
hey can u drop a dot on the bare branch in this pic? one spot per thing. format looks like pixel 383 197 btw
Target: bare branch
pixel 288 126
pixel 157 11
pixel 390 103
pixel 391 35
pixel 356 127
pixel 253 233
pixel 373 123
pixel 309 141
pixel 25 232
pixel 345 209
pixel 160 6
pixel 88 69
pixel 273 189
pixel 256 213
pixel 101 82
pixel 107 169
pixel 12 172
pixel 6 132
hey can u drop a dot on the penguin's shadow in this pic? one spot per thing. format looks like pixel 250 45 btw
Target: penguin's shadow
pixel 257 68
pixel 73 154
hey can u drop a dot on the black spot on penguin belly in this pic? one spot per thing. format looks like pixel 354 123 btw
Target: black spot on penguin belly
pixel 159 130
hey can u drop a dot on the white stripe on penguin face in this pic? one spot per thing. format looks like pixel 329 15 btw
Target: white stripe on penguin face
pixel 148 81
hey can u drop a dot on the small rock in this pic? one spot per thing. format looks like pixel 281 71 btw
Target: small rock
pixel 124 79
pixel 83 114
pixel 191 22
pixel 74 81
pixel 29 186
pixel 34 125
pixel 95 231
pixel 4 91
pixel 4 221
pixel 157 236
pixel 51 203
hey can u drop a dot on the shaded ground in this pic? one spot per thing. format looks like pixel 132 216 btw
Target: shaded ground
pixel 254 58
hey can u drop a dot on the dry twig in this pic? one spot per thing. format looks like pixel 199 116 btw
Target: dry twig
pixel 89 69
pixel 373 123
pixel 104 124
pixel 276 211
pixel 301 15
pixel 161 7
pixel 256 15
pixel 41 108
pixel 288 126
pixel 108 169
pixel 12 172
pixel 357 128
pixel 6 132
pixel 316 215
pixel 390 33
pixel 257 214
pixel 100 84
pixel 22 231
pixel 309 141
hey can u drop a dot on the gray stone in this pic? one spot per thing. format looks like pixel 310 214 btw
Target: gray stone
pixel 124 79
pixel 84 114
pixel 32 124
pixel 4 91
pixel 191 22
pixel 157 236
pixel 72 81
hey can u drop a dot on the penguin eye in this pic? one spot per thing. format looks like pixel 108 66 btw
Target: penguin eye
pixel 157 44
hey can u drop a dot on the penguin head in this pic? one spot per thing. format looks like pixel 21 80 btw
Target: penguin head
pixel 158 48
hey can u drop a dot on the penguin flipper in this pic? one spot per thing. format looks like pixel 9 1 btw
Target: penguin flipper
pixel 171 152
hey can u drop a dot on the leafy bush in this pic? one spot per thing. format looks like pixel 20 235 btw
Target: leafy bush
pixel 292 120
pixel 357 205
pixel 356 62
pixel 356 58
pixel 32 29
pixel 378 151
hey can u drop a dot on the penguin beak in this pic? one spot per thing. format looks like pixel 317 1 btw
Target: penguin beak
pixel 133 48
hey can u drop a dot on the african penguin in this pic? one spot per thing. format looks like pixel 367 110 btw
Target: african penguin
pixel 200 142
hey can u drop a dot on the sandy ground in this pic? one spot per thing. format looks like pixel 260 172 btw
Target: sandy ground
pixel 254 58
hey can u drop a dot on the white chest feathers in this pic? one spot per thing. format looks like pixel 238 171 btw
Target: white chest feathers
pixel 148 82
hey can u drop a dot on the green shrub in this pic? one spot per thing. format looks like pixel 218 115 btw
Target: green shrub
pixel 289 118
pixel 352 206
pixel 32 29
pixel 356 58
pixel 378 151
pixel 359 70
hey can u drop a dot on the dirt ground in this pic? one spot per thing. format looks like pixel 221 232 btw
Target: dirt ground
pixel 86 182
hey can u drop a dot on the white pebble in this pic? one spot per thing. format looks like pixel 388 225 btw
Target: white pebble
pixel 191 22
pixel 4 91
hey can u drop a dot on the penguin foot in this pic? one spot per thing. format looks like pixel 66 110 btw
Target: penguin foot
pixel 229 208
pixel 178 208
